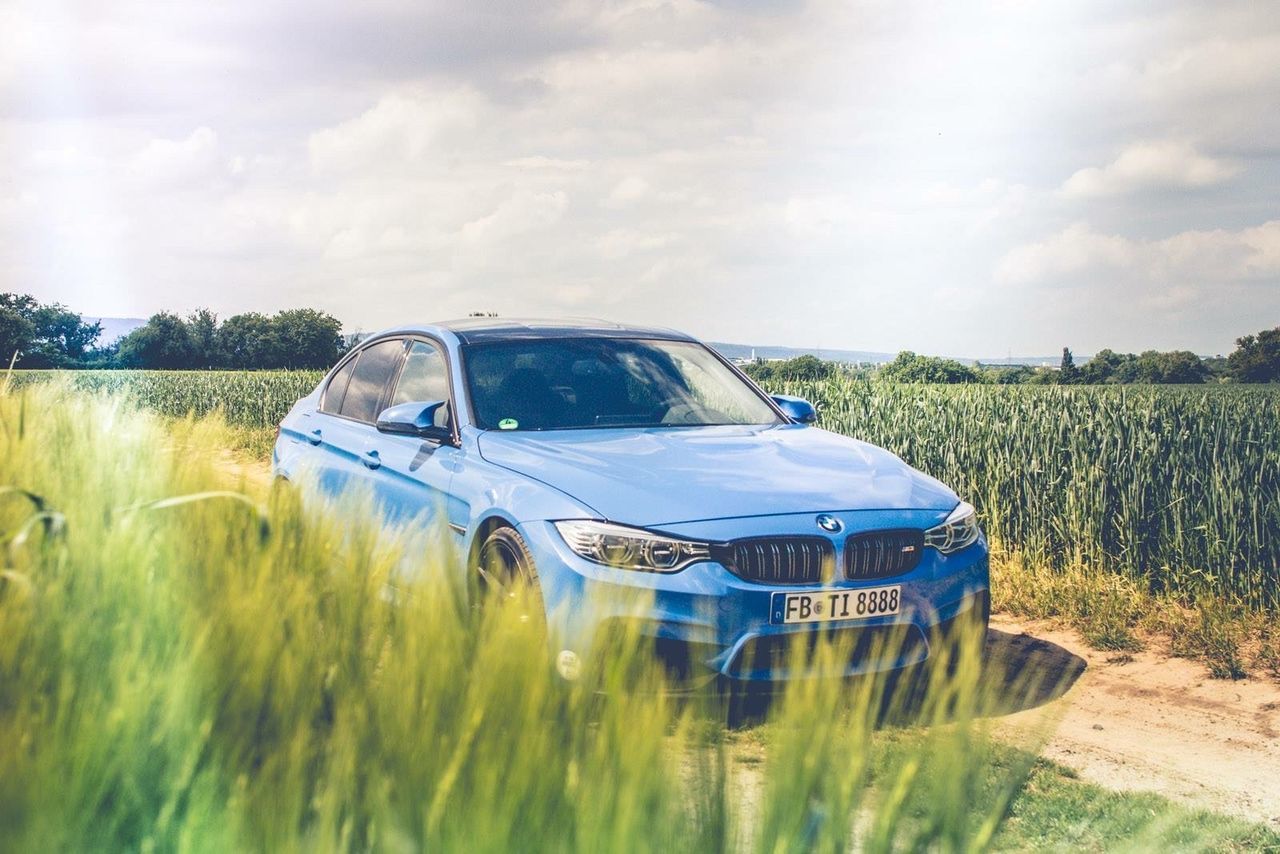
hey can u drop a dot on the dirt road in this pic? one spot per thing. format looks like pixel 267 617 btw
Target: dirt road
pixel 1148 722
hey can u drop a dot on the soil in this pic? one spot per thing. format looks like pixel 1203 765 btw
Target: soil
pixel 253 477
pixel 1146 721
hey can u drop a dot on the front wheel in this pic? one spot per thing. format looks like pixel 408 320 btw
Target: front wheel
pixel 506 575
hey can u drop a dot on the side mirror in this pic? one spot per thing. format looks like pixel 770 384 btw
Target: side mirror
pixel 797 409
pixel 414 419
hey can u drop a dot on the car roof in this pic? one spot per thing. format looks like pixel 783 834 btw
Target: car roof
pixel 476 329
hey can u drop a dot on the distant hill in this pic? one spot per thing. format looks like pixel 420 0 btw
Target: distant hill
pixel 1032 361
pixel 744 351
pixel 115 328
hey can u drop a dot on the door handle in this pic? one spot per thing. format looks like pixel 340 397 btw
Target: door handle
pixel 371 459
pixel 315 436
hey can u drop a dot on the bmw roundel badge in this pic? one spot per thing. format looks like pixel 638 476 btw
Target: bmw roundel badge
pixel 829 523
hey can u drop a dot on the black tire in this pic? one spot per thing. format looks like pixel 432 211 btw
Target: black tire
pixel 284 494
pixel 505 567
pixel 746 705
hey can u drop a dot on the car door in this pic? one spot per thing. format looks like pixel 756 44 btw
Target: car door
pixel 414 475
pixel 343 429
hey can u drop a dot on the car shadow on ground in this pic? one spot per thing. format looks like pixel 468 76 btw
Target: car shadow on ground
pixel 1020 672
pixel 1026 672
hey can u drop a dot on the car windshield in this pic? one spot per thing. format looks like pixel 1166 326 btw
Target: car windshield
pixel 574 383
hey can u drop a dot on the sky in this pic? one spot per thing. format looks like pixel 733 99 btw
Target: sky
pixel 971 179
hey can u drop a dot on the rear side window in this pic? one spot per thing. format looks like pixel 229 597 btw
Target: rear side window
pixel 423 378
pixel 373 370
pixel 337 388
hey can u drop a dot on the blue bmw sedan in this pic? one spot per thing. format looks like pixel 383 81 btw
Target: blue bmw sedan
pixel 598 461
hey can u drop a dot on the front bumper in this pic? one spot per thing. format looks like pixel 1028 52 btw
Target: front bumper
pixel 708 623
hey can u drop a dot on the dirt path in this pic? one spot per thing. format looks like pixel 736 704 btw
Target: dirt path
pixel 1153 723
pixel 253 477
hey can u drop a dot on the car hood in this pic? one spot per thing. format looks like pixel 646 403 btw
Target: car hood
pixel 670 475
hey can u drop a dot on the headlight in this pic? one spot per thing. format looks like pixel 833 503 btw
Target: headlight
pixel 630 548
pixel 960 530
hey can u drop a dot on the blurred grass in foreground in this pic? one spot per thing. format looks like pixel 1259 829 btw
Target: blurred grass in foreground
pixel 187 669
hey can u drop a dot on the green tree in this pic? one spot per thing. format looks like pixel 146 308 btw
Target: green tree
pixel 1068 373
pixel 307 338
pixel 1218 367
pixel 249 341
pixel 1006 374
pixel 1176 366
pixel 1043 376
pixel 23 304
pixel 62 337
pixel 16 333
pixel 1106 366
pixel 1256 358
pixel 103 356
pixel 164 342
pixel 806 367
pixel 202 326
pixel 59 337
pixel 910 367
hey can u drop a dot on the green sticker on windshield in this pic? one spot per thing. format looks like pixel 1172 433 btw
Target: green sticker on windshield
pixel 508 424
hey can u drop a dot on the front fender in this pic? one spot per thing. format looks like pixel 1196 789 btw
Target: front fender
pixel 496 493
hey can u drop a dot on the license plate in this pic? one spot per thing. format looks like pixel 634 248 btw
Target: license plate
pixel 825 606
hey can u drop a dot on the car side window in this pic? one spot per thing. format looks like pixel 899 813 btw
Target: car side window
pixel 369 380
pixel 424 378
pixel 336 390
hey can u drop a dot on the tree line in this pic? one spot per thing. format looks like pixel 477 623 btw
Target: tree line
pixel 297 338
pixel 44 336
pixel 53 336
pixel 1256 359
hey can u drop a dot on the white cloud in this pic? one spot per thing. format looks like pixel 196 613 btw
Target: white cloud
pixel 1078 253
pixel 1216 64
pixel 521 213
pixel 624 242
pixel 550 164
pixel 1150 166
pixel 1076 248
pixel 177 161
pixel 630 189
pixel 399 129
pixel 68 159
pixel 840 218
